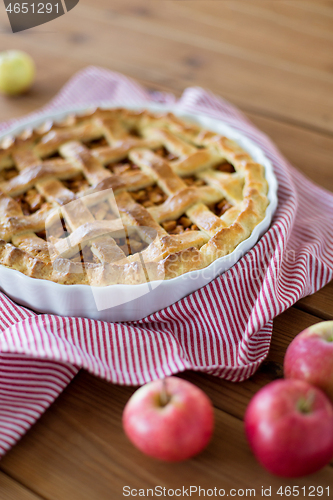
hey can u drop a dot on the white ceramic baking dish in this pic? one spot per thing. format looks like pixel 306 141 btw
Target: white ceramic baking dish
pixel 132 302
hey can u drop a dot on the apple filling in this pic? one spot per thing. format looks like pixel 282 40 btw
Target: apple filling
pixel 150 196
pixel 131 243
pixel 225 167
pixel 31 201
pixel 121 166
pixel 102 211
pixel 8 173
pixel 76 184
pixel 55 156
pixel 180 225
pixel 97 143
pixel 164 153
pixel 57 230
pixel 85 256
pixel 194 181
pixel 220 208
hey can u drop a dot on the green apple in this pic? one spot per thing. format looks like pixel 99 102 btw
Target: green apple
pixel 17 72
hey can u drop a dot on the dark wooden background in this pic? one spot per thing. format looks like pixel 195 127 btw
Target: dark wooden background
pixel 272 58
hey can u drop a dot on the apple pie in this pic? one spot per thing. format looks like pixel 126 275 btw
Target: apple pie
pixel 121 197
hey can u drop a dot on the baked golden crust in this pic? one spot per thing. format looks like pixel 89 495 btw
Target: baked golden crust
pixel 119 196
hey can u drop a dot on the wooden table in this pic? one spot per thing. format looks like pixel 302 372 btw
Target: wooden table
pixel 274 60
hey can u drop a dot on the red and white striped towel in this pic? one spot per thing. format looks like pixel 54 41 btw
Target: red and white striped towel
pixel 229 337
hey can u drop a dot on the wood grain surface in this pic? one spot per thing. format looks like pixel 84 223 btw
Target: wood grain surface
pixel 272 58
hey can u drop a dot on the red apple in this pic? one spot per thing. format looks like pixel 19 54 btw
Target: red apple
pixel 310 357
pixel 289 425
pixel 170 420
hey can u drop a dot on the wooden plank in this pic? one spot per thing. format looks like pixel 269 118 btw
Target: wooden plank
pixel 78 450
pixel 310 19
pixel 158 41
pixel 244 24
pixel 309 151
pixel 320 304
pixel 52 74
pixel 12 490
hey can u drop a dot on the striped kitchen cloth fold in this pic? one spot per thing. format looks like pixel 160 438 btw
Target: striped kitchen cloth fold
pixel 223 329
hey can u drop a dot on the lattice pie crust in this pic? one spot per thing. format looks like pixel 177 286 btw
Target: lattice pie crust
pixel 182 197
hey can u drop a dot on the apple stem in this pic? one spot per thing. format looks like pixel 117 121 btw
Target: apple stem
pixel 164 396
pixel 305 404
